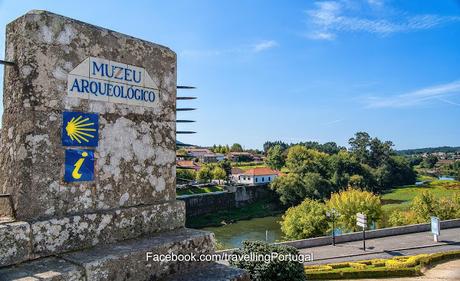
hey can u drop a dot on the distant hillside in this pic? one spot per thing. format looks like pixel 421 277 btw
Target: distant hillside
pixel 429 150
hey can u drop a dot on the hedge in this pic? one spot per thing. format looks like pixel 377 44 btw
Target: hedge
pixel 404 266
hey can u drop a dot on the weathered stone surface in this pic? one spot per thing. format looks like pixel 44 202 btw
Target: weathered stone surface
pixel 212 272
pixel 86 230
pixel 15 243
pixel 127 260
pixel 49 269
pixel 135 159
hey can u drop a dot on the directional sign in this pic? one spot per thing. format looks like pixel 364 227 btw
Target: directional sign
pixel 361 220
pixel 79 129
pixel 79 165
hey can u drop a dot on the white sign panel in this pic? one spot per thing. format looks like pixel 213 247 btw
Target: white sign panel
pixel 361 220
pixel 110 81
pixel 435 226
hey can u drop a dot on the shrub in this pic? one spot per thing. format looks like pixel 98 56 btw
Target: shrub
pixel 398 218
pixel 352 201
pixel 395 267
pixel 275 269
pixel 405 262
pixel 339 265
pixel 357 265
pixel 318 268
pixel 305 220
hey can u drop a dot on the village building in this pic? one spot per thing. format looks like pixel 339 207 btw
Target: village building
pixel 188 164
pixel 258 175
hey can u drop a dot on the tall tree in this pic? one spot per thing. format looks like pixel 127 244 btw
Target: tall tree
pixel 236 147
pixel 352 201
pixel 275 157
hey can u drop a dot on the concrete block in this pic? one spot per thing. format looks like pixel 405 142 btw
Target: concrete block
pixel 15 243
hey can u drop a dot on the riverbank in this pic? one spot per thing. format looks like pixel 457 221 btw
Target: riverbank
pixel 265 207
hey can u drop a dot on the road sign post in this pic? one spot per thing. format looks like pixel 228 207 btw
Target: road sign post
pixel 435 228
pixel 361 220
pixel 332 214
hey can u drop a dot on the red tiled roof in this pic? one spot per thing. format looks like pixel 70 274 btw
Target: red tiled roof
pixel 261 171
pixel 237 171
pixel 187 164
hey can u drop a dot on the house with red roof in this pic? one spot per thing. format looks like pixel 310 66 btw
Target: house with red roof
pixel 258 175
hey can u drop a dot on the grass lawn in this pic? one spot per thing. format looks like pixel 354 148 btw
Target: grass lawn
pixel 400 197
pixel 426 178
pixel 245 168
pixel 198 190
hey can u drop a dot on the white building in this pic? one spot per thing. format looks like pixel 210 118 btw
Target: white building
pixel 259 175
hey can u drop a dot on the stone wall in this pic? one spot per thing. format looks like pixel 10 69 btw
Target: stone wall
pixel 132 193
pixel 232 197
pixel 135 159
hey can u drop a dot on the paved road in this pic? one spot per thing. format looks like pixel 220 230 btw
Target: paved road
pixel 386 247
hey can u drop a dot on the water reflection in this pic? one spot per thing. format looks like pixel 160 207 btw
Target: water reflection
pixel 231 235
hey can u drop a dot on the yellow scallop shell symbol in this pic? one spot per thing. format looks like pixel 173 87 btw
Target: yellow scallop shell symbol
pixel 77 129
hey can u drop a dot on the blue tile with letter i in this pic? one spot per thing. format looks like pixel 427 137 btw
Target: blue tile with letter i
pixel 79 165
pixel 80 129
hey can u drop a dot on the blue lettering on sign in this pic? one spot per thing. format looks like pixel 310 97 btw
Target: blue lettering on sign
pixel 98 88
pixel 80 129
pixel 116 72
pixel 79 165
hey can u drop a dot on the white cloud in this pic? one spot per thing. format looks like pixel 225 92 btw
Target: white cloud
pixel 264 45
pixel 246 49
pixel 331 17
pixel 421 96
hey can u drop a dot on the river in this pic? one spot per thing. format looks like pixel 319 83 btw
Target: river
pixel 231 235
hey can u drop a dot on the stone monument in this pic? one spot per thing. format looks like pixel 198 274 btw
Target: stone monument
pixel 88 158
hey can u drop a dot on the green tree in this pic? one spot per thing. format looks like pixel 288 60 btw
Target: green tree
pixel 227 166
pixel 185 174
pixel 305 220
pixel 352 201
pixel 424 205
pixel 430 161
pixel 359 146
pixel 275 158
pixel 218 173
pixel 399 218
pixel 236 147
pixel 274 269
pixel 302 160
pixel 204 174
pixel 294 188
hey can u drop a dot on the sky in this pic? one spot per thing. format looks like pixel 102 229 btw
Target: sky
pixel 294 71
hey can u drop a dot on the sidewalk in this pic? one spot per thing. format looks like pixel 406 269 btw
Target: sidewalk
pixel 386 247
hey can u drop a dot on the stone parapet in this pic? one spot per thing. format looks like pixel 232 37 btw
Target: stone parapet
pixel 121 261
pixel 22 241
pixel 15 243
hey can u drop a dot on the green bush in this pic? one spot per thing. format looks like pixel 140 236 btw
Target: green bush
pixel 396 267
pixel 357 265
pixel 366 273
pixel 339 265
pixel 305 220
pixel 274 270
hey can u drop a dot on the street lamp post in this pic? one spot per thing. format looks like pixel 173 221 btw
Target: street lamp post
pixel 332 214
